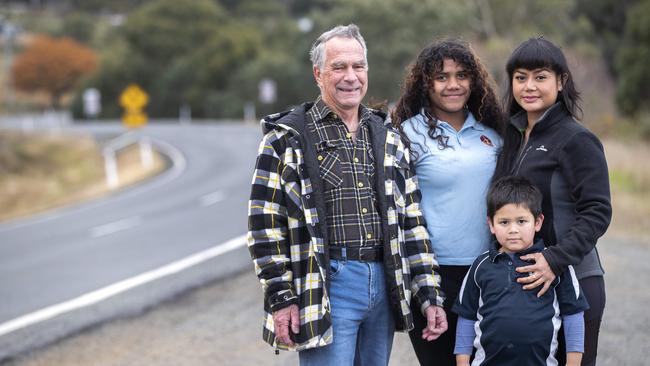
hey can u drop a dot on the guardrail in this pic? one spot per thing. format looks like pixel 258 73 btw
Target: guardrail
pixel 112 147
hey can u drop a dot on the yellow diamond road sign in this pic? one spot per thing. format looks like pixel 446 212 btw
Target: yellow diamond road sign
pixel 133 99
pixel 134 119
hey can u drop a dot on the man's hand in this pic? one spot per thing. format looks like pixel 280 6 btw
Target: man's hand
pixel 436 323
pixel 282 319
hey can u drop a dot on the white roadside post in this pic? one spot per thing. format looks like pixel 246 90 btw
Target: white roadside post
pixel 146 153
pixel 185 114
pixel 92 102
pixel 110 167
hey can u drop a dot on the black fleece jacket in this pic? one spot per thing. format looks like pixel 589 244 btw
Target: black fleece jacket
pixel 567 163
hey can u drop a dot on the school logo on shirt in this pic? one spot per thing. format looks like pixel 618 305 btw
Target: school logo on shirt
pixel 486 140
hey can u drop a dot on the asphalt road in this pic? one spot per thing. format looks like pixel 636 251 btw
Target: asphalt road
pixel 56 257
pixel 220 324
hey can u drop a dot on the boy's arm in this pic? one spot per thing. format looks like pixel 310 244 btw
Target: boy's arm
pixel 465 335
pixel 573 358
pixel 466 306
pixel 462 360
pixel 571 299
pixel 574 334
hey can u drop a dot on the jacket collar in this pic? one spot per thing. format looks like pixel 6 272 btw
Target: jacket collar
pixel 552 116
pixel 294 119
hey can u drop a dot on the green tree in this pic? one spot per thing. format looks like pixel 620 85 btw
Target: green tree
pixel 78 26
pixel 195 79
pixel 632 65
pixel 162 31
pixel 180 53
pixel 608 20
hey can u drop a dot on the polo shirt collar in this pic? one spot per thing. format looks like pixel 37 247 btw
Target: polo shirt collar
pixel 538 246
pixel 470 122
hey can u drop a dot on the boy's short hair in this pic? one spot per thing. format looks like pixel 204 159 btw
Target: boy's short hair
pixel 516 190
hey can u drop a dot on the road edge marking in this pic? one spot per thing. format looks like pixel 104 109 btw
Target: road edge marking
pixel 121 286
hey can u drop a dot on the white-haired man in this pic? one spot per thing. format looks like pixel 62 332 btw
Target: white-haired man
pixel 335 229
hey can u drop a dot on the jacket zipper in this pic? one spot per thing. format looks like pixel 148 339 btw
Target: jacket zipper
pixel 523 153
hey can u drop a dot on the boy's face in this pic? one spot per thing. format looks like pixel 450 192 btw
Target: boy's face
pixel 515 227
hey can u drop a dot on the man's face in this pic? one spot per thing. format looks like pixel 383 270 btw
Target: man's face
pixel 343 81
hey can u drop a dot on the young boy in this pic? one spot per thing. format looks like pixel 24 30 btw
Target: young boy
pixel 507 324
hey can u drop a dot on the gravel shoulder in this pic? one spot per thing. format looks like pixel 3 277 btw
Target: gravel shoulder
pixel 220 324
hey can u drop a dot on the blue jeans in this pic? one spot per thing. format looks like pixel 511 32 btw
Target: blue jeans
pixel 362 322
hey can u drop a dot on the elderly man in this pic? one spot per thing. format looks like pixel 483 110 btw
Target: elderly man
pixel 335 229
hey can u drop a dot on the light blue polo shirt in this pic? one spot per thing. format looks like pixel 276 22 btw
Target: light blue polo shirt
pixel 454 182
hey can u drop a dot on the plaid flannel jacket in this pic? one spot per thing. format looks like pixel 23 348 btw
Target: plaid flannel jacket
pixel 287 234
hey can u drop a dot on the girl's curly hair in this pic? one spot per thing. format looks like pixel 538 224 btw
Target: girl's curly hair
pixel 419 79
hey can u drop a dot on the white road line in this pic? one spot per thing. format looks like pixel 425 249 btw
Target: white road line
pixel 115 226
pixel 119 287
pixel 212 198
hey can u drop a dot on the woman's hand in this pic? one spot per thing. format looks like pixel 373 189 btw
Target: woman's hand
pixel 540 273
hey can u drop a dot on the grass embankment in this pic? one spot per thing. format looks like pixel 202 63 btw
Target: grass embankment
pixel 629 173
pixel 41 172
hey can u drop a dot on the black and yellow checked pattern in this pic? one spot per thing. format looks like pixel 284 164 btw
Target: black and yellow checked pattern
pixel 286 235
pixel 347 167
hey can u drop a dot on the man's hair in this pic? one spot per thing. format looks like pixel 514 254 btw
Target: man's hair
pixel 516 190
pixel 317 52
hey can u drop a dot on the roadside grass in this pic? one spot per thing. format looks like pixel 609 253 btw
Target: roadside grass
pixel 39 172
pixel 629 173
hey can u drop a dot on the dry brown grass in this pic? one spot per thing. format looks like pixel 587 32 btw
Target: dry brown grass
pixel 629 171
pixel 41 172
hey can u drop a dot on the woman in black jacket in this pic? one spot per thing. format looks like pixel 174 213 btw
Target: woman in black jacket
pixel 545 143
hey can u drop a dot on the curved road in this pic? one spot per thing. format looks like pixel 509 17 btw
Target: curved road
pixel 56 257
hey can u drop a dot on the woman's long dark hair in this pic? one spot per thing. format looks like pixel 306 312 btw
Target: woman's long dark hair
pixel 482 101
pixel 533 54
